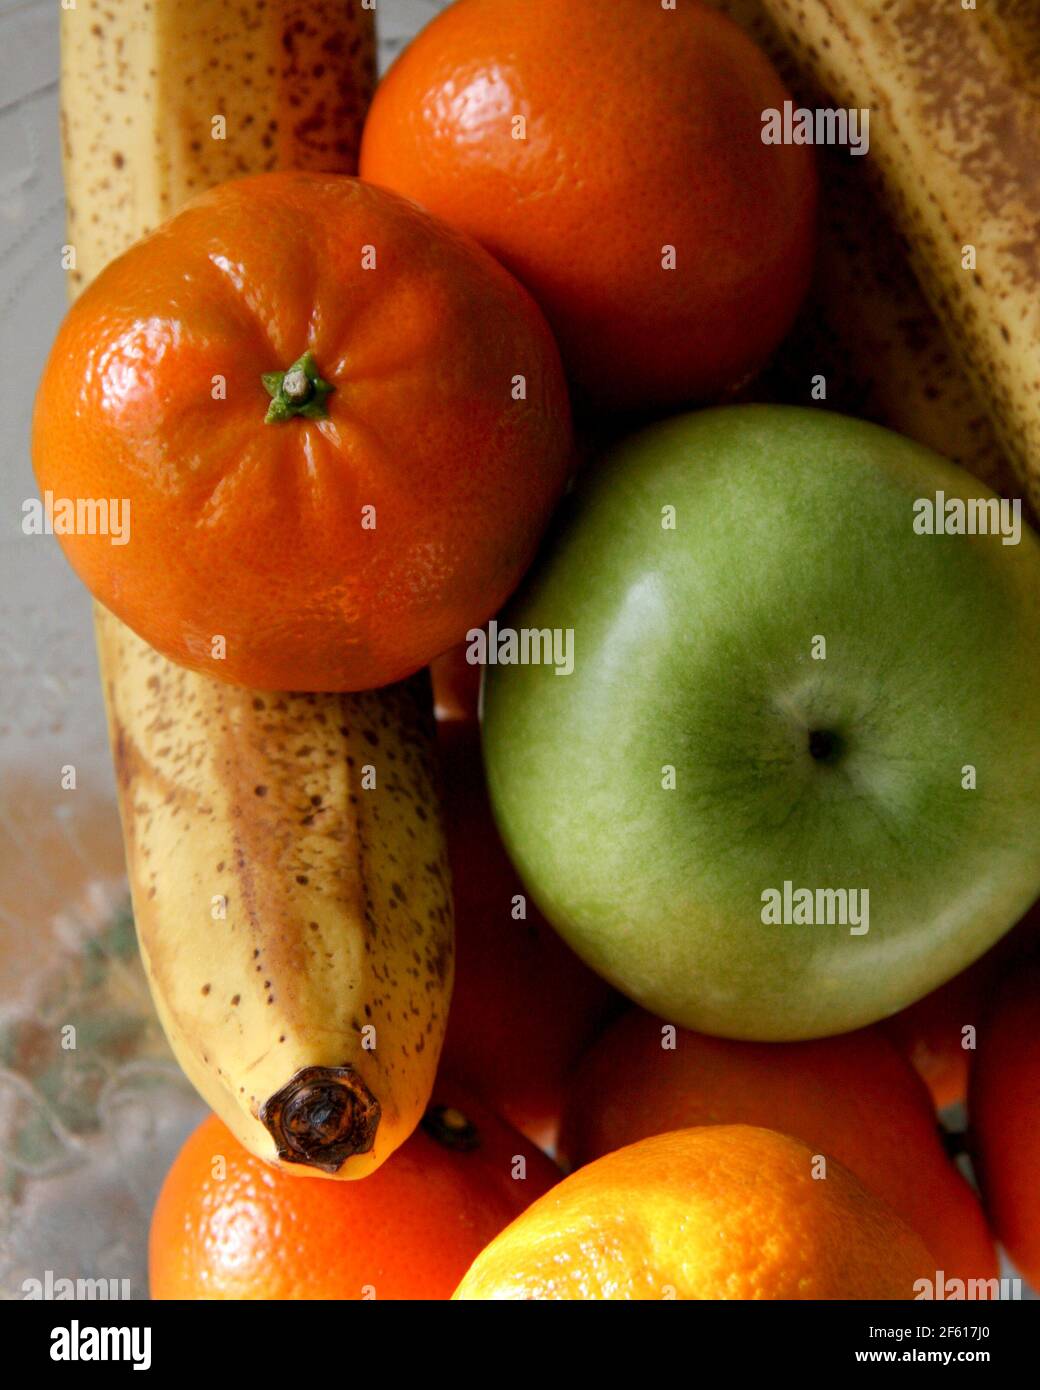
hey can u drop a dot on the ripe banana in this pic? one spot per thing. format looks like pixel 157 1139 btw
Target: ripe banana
pixel 954 95
pixel 163 100
pixel 285 852
pixel 867 327
pixel 291 898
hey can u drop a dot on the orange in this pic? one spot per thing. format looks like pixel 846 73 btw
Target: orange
pixel 227 1226
pixel 611 156
pixel 726 1212
pixel 1004 1111
pixel 930 1034
pixel 524 1007
pixel 338 540
pixel 937 1034
pixel 852 1098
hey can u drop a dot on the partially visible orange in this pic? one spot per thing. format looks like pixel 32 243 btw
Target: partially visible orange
pixel 931 1033
pixel 227 1226
pixel 1004 1111
pixel 524 1007
pixel 722 1212
pixel 937 1034
pixel 611 156
pixel 852 1098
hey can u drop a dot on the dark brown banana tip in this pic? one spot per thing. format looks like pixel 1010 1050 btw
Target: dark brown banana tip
pixel 321 1117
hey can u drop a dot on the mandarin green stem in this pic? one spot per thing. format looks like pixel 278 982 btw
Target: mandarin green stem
pixel 299 390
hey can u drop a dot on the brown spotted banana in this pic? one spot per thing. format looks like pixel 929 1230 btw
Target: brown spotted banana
pixel 954 101
pixel 285 852
pixel 866 326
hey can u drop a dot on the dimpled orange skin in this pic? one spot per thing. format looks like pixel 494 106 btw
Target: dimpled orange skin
pixel 726 1212
pixel 1004 1114
pixel 254 532
pixel 408 1231
pixel 643 131
pixel 853 1098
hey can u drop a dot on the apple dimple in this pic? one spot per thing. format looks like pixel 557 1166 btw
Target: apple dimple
pixel 825 746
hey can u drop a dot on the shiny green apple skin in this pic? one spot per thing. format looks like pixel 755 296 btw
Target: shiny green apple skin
pixel 693 649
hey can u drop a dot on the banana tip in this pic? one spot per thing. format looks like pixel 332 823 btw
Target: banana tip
pixel 321 1117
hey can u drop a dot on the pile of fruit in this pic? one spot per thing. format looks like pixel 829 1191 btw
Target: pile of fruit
pixel 631 956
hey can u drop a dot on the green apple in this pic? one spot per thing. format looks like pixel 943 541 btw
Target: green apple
pixel 792 782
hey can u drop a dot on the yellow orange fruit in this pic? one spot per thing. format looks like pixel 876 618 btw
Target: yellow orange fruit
pixel 852 1098
pixel 722 1212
